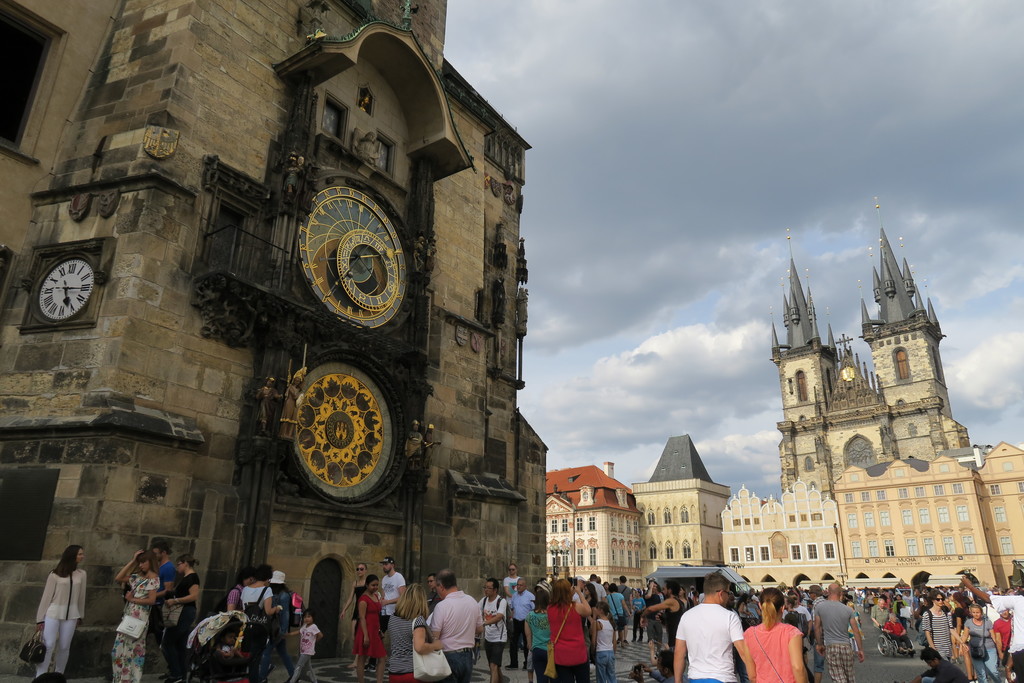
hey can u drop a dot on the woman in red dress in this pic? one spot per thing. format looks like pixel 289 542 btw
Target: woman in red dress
pixel 367 641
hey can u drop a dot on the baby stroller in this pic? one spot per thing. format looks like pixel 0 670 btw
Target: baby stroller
pixel 212 657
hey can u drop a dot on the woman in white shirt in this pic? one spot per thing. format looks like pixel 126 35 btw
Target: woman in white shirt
pixel 61 608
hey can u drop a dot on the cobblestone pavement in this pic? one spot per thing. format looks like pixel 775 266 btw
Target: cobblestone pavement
pixel 875 669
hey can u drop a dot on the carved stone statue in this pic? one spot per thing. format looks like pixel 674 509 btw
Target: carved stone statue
pixel 367 146
pixel 265 398
pixel 428 445
pixel 498 301
pixel 414 442
pixel 293 177
pixel 522 304
pixel 290 409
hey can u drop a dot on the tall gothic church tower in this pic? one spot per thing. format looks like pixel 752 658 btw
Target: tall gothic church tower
pixel 838 412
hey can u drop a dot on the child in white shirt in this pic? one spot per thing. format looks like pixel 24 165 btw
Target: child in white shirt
pixel 308 635
pixel 603 637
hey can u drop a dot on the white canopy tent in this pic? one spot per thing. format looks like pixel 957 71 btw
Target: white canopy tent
pixel 875 583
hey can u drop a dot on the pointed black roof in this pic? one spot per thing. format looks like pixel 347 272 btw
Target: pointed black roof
pixel 680 460
pixel 894 288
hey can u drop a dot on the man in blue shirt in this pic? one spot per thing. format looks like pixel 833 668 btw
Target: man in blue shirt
pixel 167 574
pixel 522 603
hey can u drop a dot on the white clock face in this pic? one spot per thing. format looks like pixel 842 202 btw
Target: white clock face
pixel 66 289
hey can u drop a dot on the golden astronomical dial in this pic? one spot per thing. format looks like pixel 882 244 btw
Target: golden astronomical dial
pixel 352 257
pixel 344 436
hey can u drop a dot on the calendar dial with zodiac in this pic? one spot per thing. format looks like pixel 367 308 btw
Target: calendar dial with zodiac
pixel 352 257
pixel 344 439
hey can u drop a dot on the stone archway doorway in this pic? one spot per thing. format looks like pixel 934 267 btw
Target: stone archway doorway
pixel 325 600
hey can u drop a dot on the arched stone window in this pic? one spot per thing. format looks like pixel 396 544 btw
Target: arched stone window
pixel 808 464
pixel 859 452
pixel 687 552
pixel 669 552
pixel 668 516
pixel 902 363
pixel 650 518
pixel 653 551
pixel 684 515
pixel 801 386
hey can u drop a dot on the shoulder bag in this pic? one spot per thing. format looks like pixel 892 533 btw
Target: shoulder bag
pixel 33 651
pixel 133 627
pixel 130 626
pixel 550 671
pixel 979 651
pixel 432 666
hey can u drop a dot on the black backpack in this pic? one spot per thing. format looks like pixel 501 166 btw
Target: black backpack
pixel 259 628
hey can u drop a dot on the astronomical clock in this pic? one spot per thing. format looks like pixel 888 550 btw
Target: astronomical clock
pixel 354 263
pixel 352 257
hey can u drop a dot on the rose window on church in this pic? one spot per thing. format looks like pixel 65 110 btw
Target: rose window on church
pixel 860 452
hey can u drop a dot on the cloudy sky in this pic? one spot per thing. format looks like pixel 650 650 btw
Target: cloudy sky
pixel 676 141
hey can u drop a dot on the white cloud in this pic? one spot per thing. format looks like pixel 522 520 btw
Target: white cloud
pixel 676 141
pixel 991 376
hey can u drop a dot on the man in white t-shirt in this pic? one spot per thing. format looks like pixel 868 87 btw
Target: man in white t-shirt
pixel 708 633
pixel 493 608
pixel 393 585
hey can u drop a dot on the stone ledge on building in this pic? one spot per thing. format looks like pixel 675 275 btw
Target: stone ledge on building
pixel 119 416
pixel 483 487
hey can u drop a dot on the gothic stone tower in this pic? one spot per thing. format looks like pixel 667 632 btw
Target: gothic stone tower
pixel 261 294
pixel 836 411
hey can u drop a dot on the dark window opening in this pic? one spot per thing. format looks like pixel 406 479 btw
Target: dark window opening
pixel 26 501
pixel 334 119
pixel 22 50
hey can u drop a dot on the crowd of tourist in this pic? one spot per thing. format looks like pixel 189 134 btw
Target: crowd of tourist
pixel 559 629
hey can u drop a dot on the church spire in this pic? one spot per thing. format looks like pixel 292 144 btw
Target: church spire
pixel 897 285
pixel 801 326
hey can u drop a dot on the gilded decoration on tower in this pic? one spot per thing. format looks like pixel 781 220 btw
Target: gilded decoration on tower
pixel 341 430
pixel 160 142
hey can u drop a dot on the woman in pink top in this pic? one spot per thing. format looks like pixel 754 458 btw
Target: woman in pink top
pixel 777 648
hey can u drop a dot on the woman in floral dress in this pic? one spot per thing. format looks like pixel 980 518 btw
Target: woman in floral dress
pixel 140 583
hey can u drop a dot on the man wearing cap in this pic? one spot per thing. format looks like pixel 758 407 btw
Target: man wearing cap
pixel 283 599
pixel 455 622
pixel 1015 603
pixel 393 585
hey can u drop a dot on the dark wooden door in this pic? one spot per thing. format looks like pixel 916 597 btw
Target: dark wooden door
pixel 325 599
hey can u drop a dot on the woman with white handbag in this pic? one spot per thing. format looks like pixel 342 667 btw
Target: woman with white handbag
pixel 140 583
pixel 414 652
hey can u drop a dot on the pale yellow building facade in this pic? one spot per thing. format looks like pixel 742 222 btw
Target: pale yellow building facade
pixel 1002 496
pixel 791 541
pixel 927 522
pixel 681 510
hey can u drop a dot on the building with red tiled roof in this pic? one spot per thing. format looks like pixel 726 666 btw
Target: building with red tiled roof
pixel 593 524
